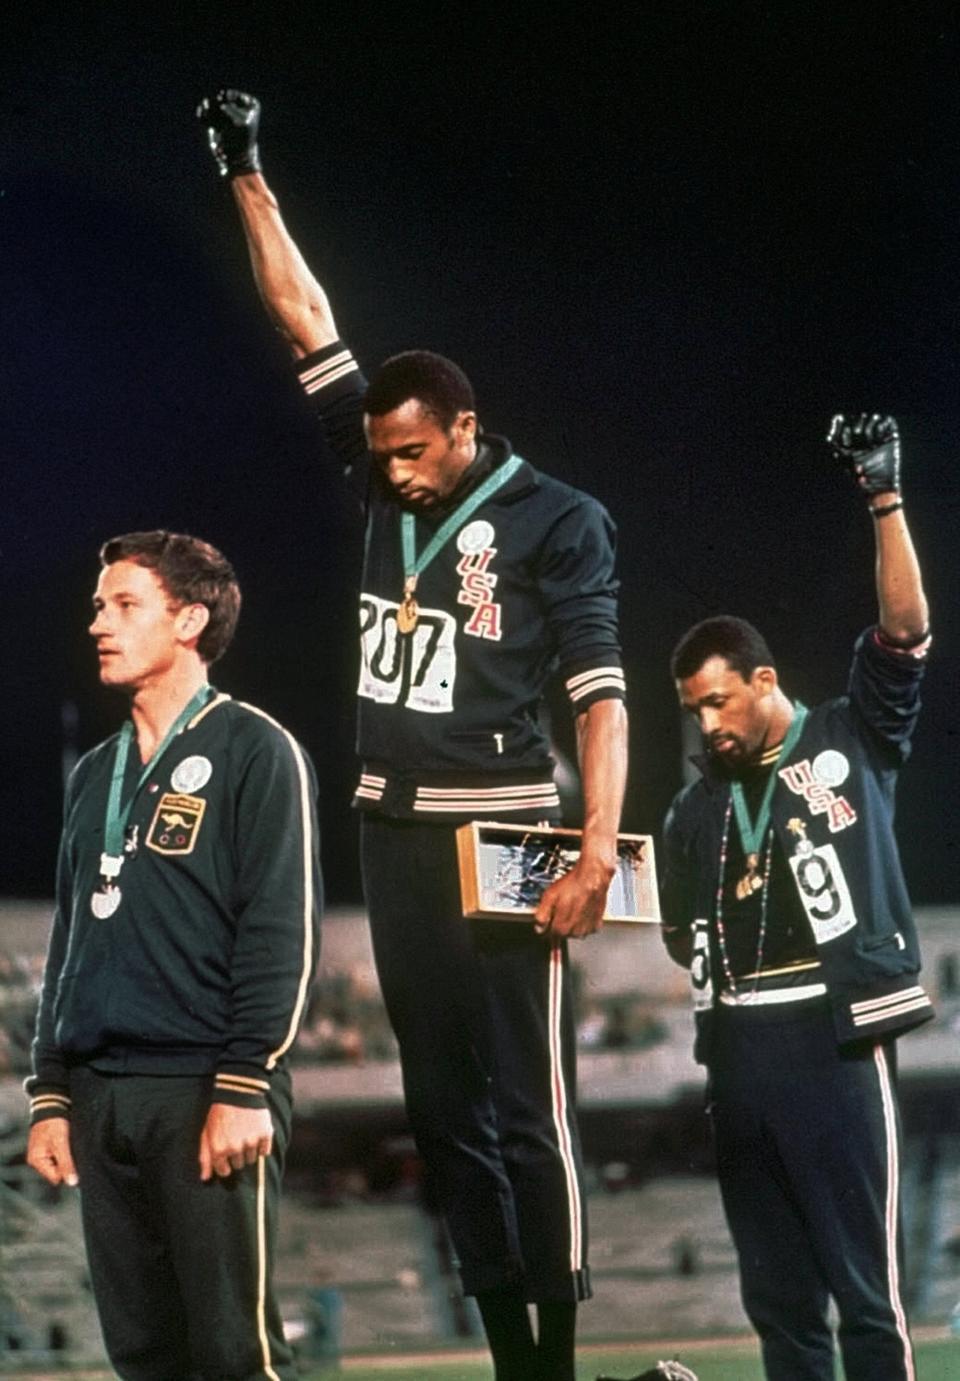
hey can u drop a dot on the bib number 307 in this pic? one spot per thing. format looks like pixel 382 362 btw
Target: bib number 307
pixel 417 669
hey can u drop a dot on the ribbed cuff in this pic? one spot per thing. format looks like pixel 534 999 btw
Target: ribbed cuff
pixel 47 1103
pixel 328 372
pixel 241 1089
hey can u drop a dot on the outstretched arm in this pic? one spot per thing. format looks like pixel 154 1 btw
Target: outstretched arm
pixel 295 301
pixel 869 446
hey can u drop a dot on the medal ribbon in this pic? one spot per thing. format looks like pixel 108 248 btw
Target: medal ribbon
pixel 413 564
pixel 751 833
pixel 115 820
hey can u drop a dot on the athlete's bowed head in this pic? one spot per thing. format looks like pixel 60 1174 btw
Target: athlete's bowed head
pixel 726 678
pixel 421 425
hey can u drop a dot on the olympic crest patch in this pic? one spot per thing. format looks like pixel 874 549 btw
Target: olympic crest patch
pixel 192 773
pixel 475 536
pixel 176 823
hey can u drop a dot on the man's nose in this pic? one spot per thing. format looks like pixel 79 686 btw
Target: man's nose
pixel 399 474
pixel 709 720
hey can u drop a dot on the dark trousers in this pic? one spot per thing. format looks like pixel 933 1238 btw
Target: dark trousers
pixel 808 1154
pixel 180 1269
pixel 483 1016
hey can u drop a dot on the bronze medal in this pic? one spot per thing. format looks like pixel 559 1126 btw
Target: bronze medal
pixel 407 611
pixel 751 880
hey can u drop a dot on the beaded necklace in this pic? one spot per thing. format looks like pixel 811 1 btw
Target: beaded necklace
pixel 753 833
pixel 718 913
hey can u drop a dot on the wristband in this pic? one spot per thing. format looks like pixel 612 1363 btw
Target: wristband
pixel 887 508
pixel 902 644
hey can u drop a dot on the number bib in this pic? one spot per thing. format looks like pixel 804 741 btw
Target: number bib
pixel 701 984
pixel 416 670
pixel 824 892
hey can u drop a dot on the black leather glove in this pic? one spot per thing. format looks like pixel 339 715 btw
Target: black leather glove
pixel 663 1371
pixel 232 119
pixel 869 447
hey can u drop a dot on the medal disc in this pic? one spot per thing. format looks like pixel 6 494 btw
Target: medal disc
pixel 750 882
pixel 104 904
pixel 407 616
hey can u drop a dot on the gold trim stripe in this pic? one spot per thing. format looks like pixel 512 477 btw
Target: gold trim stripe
pixel 49 1100
pixel 241 1086
pixel 262 1268
pixel 219 699
pixel 307 970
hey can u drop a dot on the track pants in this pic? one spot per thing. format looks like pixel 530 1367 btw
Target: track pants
pixel 808 1154
pixel 483 1015
pixel 180 1269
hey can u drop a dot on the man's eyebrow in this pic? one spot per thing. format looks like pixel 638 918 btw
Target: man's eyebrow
pixel 115 594
pixel 702 699
pixel 398 450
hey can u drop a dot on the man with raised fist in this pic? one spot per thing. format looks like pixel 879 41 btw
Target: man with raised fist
pixel 783 894
pixel 481 574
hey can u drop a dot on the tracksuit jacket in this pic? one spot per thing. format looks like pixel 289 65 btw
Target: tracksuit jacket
pixel 204 967
pixel 833 813
pixel 447 717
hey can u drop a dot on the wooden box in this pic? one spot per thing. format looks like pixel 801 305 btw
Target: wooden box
pixel 505 869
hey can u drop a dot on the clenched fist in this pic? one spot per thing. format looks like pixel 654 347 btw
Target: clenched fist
pixel 869 447
pixel 232 119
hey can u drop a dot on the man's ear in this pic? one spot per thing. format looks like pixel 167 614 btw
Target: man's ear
pixel 192 619
pixel 465 426
pixel 764 680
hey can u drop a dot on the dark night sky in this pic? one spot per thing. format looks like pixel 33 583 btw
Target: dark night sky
pixel 667 242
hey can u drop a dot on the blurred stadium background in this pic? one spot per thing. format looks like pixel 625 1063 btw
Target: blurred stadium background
pixel 365 1271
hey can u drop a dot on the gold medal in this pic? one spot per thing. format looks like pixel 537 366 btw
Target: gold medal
pixel 407 611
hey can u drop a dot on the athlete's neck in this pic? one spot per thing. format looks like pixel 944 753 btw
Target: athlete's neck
pixel 767 751
pixel 781 717
pixel 155 706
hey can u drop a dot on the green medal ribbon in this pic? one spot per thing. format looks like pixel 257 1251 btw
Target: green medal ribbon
pixel 116 818
pixel 413 564
pixel 752 833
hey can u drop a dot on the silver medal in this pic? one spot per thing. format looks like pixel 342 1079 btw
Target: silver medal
pixel 104 902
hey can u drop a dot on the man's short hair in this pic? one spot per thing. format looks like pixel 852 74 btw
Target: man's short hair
pixel 436 382
pixel 192 572
pixel 724 636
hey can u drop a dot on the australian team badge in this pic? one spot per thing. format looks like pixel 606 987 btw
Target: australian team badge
pixel 176 823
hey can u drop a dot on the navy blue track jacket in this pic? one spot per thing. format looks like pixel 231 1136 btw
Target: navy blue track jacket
pixel 833 812
pixel 447 716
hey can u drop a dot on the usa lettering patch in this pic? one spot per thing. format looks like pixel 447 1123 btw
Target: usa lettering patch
pixel 477 585
pixel 820 798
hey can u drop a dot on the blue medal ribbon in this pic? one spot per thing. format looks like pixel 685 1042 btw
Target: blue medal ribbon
pixel 116 817
pixel 752 831
pixel 413 565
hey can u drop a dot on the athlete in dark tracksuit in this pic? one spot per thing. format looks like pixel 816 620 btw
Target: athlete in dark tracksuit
pixel 174 985
pixel 783 893
pixel 481 577
pixel 447 733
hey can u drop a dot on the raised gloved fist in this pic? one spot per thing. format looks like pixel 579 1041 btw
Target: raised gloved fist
pixel 232 119
pixel 869 447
